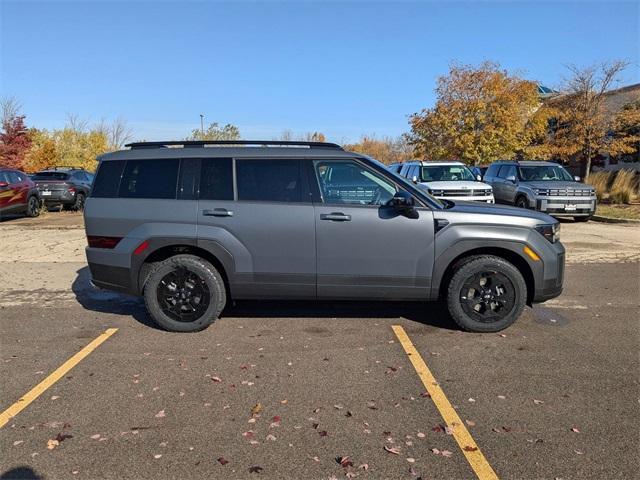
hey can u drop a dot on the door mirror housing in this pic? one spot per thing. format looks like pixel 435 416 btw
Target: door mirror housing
pixel 478 178
pixel 511 178
pixel 414 179
pixel 577 178
pixel 402 201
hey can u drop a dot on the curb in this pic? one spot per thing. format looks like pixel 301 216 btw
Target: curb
pixel 598 218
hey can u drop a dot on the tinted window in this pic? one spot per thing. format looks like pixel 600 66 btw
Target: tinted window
pixel 51 176
pixel 503 172
pixel 150 179
pixel 216 179
pixel 14 177
pixel 348 182
pixel 188 179
pixel 4 177
pixel 492 170
pixel 269 180
pixel 108 179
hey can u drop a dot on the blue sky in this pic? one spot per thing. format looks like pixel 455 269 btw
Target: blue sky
pixel 343 68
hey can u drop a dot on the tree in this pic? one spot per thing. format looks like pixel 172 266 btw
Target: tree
pixel 117 132
pixel 215 132
pixel 625 131
pixel 289 136
pixel 14 137
pixel 481 114
pixel 387 150
pixel 43 152
pixel 582 125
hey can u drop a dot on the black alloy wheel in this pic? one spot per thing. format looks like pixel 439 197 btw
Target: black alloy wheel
pixel 183 295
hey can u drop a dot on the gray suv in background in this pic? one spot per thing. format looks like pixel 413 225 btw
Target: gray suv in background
pixel 192 225
pixel 543 186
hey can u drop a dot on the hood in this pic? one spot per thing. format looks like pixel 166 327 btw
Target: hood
pixel 496 209
pixel 456 185
pixel 557 184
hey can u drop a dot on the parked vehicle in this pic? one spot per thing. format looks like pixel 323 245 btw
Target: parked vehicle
pixel 18 193
pixel 66 186
pixel 543 186
pixel 448 181
pixel 395 167
pixel 191 228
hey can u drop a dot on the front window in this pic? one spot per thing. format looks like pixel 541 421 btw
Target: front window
pixel 446 173
pixel 545 172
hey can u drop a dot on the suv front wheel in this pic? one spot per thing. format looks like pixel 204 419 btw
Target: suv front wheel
pixel 184 294
pixel 486 294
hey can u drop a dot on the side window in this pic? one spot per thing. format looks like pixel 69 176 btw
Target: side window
pixel 216 179
pixel 405 170
pixel 491 171
pixel 415 172
pixel 150 179
pixel 269 180
pixel 108 179
pixel 188 179
pixel 511 171
pixel 502 173
pixel 14 177
pixel 349 182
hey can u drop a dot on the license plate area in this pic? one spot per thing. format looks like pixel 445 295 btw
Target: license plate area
pixel 570 207
pixel 46 193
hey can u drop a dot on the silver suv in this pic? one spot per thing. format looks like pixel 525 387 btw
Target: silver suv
pixel 191 225
pixel 543 186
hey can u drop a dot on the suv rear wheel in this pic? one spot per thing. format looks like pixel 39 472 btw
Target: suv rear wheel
pixel 184 294
pixel 33 206
pixel 486 294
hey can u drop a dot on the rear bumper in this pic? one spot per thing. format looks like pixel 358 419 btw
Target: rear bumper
pixel 57 198
pixel 110 277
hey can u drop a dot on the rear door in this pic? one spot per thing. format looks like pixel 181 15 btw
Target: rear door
pixel 266 224
pixel 365 249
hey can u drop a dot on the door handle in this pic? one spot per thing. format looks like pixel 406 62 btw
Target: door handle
pixel 217 212
pixel 335 216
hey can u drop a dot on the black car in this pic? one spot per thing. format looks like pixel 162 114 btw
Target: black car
pixel 66 186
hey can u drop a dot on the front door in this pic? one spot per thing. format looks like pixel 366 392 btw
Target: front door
pixel 266 224
pixel 366 250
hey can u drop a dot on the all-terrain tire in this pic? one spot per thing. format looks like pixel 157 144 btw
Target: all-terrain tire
pixel 209 276
pixel 479 265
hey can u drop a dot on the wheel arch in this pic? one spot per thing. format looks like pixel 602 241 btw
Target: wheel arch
pixel 507 254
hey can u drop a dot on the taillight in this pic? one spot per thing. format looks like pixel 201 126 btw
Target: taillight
pixel 71 189
pixel 103 242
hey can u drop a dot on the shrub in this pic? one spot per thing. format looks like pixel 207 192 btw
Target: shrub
pixel 599 181
pixel 624 187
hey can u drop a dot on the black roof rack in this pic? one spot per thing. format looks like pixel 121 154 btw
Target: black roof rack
pixel 203 143
pixel 64 167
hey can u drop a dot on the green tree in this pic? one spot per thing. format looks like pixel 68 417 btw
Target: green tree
pixel 215 132
pixel 481 114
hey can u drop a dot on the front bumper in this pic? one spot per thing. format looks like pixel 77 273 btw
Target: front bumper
pixel 566 206
pixel 552 283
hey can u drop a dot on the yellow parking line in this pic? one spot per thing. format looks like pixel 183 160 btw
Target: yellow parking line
pixel 469 447
pixel 60 372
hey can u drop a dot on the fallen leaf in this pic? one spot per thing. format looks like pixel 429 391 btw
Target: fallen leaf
pixel 323 433
pixel 257 408
pixel 96 436
pixel 420 435
pixel 271 437
pixel 436 451
pixel 17 442
pixel 538 402
pixel 55 397
pixel 348 414
pixel 344 462
pixel 425 395
pixel 338 407
pixel 315 459
pixel 216 379
pixel 364 466
pixel 157 456
pixel 471 423
pixel 411 460
pixel 472 400
pixel 350 474
pixel 578 452
pixel 284 402
pixel 223 461
pixel 394 450
pixel 61 437
pixel 470 449
pixel 575 430
pixel 502 397
pixel 160 414
pixel 51 444
pixel 446 453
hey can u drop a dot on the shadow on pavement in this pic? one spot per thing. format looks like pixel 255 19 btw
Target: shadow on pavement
pixel 427 313
pixel 22 473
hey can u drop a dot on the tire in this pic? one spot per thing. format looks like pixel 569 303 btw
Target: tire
pixel 33 206
pixel 522 202
pixel 582 219
pixel 78 205
pixel 503 282
pixel 179 272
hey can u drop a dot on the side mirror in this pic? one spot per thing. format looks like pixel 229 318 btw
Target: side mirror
pixel 414 179
pixel 511 178
pixel 479 178
pixel 577 178
pixel 402 201
pixel 3 184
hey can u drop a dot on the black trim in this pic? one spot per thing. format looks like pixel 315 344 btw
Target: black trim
pixel 111 278
pixel 241 143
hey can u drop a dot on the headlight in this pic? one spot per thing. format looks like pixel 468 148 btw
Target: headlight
pixel 550 231
pixel 541 191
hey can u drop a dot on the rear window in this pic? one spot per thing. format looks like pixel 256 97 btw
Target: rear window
pixel 269 180
pixel 107 179
pixel 150 179
pixel 51 176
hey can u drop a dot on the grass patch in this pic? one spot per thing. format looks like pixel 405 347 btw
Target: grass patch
pixel 619 211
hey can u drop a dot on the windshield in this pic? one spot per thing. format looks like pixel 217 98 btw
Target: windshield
pixel 446 173
pixel 51 176
pixel 545 172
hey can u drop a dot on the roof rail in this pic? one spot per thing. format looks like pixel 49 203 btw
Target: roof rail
pixel 64 167
pixel 203 143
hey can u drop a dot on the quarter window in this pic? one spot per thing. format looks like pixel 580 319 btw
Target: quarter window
pixel 348 182
pixel 188 179
pixel 269 180
pixel 150 179
pixel 108 179
pixel 216 179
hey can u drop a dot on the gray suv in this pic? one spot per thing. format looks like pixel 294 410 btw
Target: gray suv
pixel 192 225
pixel 543 186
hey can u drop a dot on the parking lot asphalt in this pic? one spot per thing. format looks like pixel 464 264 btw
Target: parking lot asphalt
pixel 290 390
